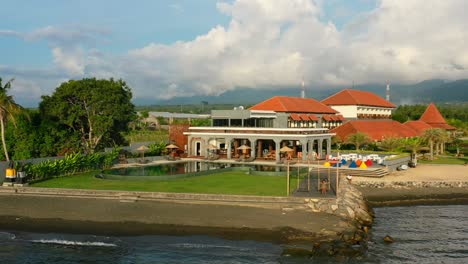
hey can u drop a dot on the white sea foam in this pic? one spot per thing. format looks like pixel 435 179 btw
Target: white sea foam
pixel 74 243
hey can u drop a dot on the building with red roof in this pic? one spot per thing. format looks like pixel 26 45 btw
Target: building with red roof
pixel 302 112
pixel 262 130
pixel 418 126
pixel 293 105
pixel 355 104
pixel 433 118
pixel 377 130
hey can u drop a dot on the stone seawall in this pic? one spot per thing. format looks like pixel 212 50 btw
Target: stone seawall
pixel 349 204
pixel 325 226
pixel 357 217
pixel 412 184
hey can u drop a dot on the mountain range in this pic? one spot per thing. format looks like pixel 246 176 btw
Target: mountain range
pixel 437 91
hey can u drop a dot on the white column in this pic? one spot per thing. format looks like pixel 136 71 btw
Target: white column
pixel 277 149
pixel 204 147
pixel 229 147
pixel 253 143
pixel 189 146
pixel 320 147
pixel 311 146
pixel 305 152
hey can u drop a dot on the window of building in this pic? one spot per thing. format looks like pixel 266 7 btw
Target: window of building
pixel 220 122
pixel 236 122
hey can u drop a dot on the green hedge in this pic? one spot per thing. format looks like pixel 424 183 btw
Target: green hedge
pixel 71 164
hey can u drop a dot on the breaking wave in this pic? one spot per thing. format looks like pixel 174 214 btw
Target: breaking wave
pixel 73 243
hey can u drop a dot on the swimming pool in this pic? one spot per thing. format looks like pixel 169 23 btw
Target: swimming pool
pixel 170 171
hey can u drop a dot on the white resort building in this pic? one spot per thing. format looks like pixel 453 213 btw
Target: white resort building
pixel 289 126
pixel 355 104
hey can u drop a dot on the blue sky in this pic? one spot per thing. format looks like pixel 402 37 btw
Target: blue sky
pixel 125 24
pixel 174 48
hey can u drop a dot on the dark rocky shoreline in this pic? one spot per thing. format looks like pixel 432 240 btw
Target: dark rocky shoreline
pixel 380 197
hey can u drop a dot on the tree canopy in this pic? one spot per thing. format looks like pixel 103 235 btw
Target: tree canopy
pixel 95 111
pixel 8 109
pixel 358 139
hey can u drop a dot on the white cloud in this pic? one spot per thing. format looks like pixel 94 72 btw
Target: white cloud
pixel 276 43
pixel 24 91
pixel 68 45
pixel 70 60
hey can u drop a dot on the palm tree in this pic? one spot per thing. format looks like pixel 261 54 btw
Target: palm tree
pixel 457 143
pixel 8 109
pixel 413 145
pixel 390 144
pixel 432 135
pixel 358 139
pixel 443 139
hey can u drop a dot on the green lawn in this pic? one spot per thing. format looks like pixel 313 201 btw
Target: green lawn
pixel 231 182
pixel 445 160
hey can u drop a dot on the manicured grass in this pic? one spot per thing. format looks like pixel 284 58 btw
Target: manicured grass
pixel 231 182
pixel 445 160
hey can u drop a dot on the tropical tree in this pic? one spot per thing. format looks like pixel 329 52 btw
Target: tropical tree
pixel 457 143
pixel 413 144
pixel 358 139
pixel 8 109
pixel 337 141
pixel 390 144
pixel 96 111
pixel 432 135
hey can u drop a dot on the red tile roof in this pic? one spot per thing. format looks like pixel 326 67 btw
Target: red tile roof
pixel 356 97
pixel 376 129
pixel 293 105
pixel 418 126
pixel 333 118
pixel 433 117
pixel 313 117
pixel 304 117
pixel 295 117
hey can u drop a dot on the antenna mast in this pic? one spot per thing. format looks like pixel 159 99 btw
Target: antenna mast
pixel 303 88
pixel 388 92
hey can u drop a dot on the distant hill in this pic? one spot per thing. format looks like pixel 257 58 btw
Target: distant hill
pixel 438 91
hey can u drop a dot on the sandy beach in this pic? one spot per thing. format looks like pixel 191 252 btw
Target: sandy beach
pixel 424 173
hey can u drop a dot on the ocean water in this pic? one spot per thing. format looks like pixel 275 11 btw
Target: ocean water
pixel 423 234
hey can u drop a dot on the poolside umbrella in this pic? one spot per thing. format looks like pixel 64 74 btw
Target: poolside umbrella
pixel 244 149
pixel 286 149
pixel 172 146
pixel 142 149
